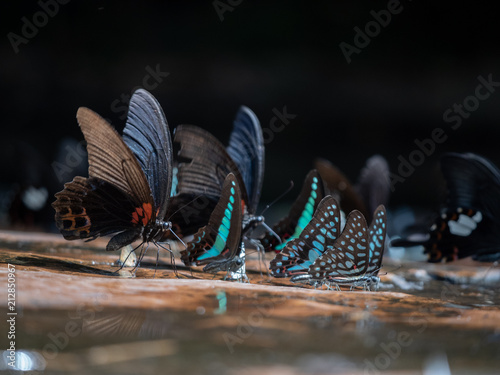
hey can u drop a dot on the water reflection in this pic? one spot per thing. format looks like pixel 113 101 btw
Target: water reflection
pixel 22 360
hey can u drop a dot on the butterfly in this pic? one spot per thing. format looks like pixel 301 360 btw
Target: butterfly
pixel 204 163
pixel 371 190
pixel 300 214
pixel 126 194
pixel 356 256
pixel 319 234
pixel 467 224
pixel 217 245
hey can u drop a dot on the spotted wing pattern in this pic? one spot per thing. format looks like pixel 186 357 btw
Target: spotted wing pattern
pixel 376 237
pixel 349 256
pixel 318 235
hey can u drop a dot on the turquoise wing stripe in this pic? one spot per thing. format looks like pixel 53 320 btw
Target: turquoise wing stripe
pixel 223 231
pixel 305 217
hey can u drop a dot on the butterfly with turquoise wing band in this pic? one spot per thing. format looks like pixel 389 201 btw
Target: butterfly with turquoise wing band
pixel 300 214
pixel 203 164
pixel 319 234
pixel 217 245
pixel 356 256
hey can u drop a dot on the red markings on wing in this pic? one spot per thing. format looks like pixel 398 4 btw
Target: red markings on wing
pixel 142 215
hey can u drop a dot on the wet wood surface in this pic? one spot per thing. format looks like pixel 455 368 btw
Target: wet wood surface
pixel 141 320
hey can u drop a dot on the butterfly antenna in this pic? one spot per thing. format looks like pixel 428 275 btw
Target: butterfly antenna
pixel 187 204
pixel 270 230
pixel 179 239
pixel 392 270
pixel 278 198
pixel 387 272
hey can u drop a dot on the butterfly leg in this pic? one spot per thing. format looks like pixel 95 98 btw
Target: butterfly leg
pixel 262 254
pixel 172 257
pixel 141 256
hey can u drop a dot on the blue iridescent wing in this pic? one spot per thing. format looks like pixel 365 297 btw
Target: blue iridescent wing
pixel 349 256
pixel 321 233
pixel 221 237
pixel 300 214
pixel 148 136
pixel 376 240
pixel 246 148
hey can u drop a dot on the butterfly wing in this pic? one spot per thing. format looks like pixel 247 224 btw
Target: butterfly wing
pixel 147 134
pixel 338 183
pixel 246 148
pixel 467 225
pixel 376 240
pixel 203 163
pixel 300 214
pixel 349 256
pixel 221 237
pixel 317 236
pixel 472 181
pixel 110 159
pixel 373 184
pixel 115 198
pixel 90 207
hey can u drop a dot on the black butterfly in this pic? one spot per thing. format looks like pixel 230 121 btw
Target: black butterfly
pixel 356 256
pixel 217 245
pixel 300 214
pixel 318 235
pixel 204 163
pixel 129 183
pixel 468 223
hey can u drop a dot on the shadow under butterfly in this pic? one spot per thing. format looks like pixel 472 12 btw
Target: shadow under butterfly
pixel 204 167
pixel 355 257
pixel 126 194
pixel 300 214
pixel 468 224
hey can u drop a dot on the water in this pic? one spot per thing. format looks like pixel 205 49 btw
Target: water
pixel 77 315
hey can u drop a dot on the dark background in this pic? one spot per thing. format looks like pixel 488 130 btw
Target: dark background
pixel 265 55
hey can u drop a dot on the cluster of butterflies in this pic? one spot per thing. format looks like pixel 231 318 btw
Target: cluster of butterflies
pixel 139 189
pixel 145 186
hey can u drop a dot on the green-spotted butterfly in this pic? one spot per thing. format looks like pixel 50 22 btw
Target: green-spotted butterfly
pixel 318 235
pixel 356 256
